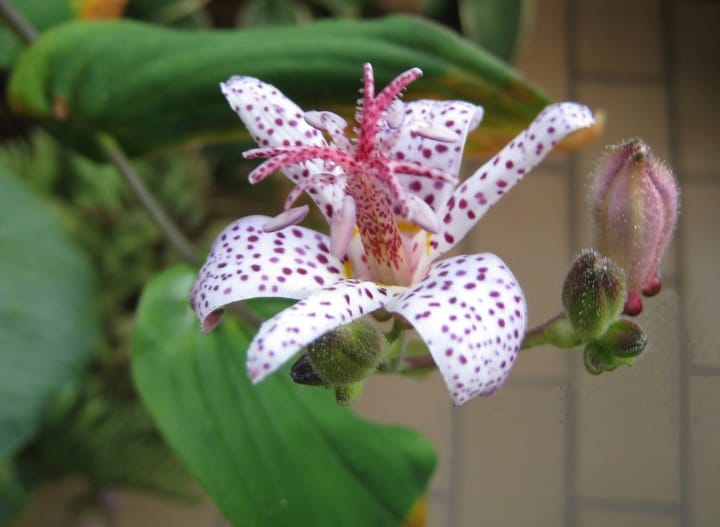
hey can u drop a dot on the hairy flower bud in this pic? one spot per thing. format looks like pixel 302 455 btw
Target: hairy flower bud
pixel 634 208
pixel 593 294
pixel 623 343
pixel 347 354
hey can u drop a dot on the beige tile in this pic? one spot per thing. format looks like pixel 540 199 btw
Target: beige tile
pixel 701 253
pixel 143 510
pixel 593 518
pixel 542 54
pixel 697 75
pixel 512 466
pixel 423 405
pixel 528 230
pixel 705 451
pixel 627 419
pixel 437 513
pixel 616 36
pixel 632 110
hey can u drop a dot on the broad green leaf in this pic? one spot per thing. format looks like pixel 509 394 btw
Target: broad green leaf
pixel 160 87
pixel 48 323
pixel 494 24
pixel 183 13
pixel 275 454
pixel 44 14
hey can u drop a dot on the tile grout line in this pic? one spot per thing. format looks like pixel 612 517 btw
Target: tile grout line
pixel 570 410
pixel 630 506
pixel 621 78
pixel 683 361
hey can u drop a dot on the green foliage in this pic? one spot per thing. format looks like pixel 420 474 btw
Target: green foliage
pixel 99 211
pixel 92 425
pixel 42 14
pixel 160 87
pixel 108 438
pixel 271 454
pixel 496 25
pixel 48 312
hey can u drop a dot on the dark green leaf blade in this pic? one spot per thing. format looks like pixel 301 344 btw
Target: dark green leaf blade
pixel 275 454
pixel 161 86
pixel 494 24
pixel 48 322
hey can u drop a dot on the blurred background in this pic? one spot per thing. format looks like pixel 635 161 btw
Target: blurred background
pixel 557 446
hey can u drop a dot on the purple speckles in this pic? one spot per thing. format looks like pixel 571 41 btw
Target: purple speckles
pixel 469 311
pixel 478 343
pixel 242 274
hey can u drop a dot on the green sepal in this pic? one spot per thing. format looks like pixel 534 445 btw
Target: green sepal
pixel 347 354
pixel 622 344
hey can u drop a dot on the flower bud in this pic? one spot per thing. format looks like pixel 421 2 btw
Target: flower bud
pixel 593 294
pixel 347 354
pixel 634 208
pixel 623 343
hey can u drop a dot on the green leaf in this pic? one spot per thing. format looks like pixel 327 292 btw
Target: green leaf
pixel 274 454
pixel 494 24
pixel 48 323
pixel 12 495
pixel 44 14
pixel 161 86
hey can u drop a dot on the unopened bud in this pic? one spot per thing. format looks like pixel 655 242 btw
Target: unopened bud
pixel 347 354
pixel 593 294
pixel 635 201
pixel 623 343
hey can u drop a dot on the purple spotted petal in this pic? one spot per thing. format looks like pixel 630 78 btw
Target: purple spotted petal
pixel 246 262
pixel 273 120
pixel 489 183
pixel 449 122
pixel 471 313
pixel 289 331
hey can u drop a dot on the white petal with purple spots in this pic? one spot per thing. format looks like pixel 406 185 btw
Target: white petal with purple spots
pixel 289 331
pixel 246 262
pixel 422 120
pixel 488 184
pixel 471 313
pixel 273 120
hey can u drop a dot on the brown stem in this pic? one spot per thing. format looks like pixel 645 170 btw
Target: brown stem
pixel 118 158
pixel 17 22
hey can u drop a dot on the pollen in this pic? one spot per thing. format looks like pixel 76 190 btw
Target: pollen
pixel 406 227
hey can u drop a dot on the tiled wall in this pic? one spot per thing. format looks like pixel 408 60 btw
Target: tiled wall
pixel 556 446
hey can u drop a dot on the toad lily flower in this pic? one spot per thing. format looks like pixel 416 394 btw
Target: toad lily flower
pixel 394 204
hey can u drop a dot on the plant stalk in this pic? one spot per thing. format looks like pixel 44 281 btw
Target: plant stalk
pixel 17 22
pixel 118 158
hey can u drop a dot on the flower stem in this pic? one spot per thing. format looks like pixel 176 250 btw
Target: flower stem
pixel 557 331
pixel 17 22
pixel 118 158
